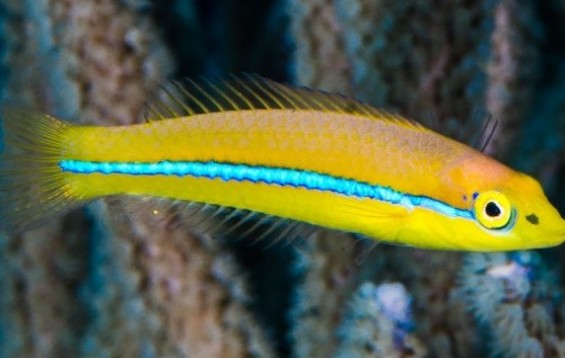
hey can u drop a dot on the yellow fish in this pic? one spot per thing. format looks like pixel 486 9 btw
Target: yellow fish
pixel 289 153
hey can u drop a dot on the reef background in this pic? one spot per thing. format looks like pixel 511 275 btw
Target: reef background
pixel 116 280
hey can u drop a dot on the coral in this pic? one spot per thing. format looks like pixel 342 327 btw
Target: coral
pixel 112 56
pixel 515 296
pixel 379 324
pixel 326 264
pixel 319 60
pixel 40 312
pixel 164 292
pixel 439 310
pixel 406 55
pixel 512 71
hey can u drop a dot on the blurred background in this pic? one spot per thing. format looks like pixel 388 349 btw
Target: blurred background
pixel 113 280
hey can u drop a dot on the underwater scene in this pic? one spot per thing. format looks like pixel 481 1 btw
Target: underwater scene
pixel 432 249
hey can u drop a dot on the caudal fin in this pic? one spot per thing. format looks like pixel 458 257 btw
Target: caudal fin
pixel 32 187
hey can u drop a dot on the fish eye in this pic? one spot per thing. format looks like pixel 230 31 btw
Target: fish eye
pixel 492 210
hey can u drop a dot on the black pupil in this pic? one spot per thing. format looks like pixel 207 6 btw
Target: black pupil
pixel 492 210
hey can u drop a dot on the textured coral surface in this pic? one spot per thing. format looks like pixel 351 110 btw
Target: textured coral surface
pixel 132 278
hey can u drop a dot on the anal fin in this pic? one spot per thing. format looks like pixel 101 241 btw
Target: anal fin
pixel 229 223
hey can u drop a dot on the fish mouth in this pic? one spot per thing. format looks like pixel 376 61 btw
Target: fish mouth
pixel 559 240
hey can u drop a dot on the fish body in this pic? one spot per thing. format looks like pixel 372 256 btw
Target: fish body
pixel 298 155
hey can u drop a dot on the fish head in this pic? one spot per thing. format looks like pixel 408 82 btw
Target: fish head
pixel 500 210
pixel 519 215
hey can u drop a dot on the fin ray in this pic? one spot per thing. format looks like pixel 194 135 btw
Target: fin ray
pixel 250 92
pixel 215 220
pixel 189 98
pixel 32 189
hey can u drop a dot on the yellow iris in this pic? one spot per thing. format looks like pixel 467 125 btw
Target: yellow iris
pixel 493 209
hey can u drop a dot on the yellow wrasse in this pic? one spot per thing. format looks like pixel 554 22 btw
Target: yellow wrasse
pixel 289 153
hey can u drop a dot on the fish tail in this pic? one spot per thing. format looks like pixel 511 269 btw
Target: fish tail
pixel 33 189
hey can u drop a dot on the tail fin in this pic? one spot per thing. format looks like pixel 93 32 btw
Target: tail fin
pixel 32 187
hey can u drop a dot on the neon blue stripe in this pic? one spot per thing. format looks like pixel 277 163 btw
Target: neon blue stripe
pixel 267 175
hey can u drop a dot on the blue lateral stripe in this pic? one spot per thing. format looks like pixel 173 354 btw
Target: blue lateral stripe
pixel 267 175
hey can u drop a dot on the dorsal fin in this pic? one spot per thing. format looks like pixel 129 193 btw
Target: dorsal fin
pixel 188 98
pixel 474 127
pixel 250 92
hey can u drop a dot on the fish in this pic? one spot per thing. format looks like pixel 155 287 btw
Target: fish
pixel 290 154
